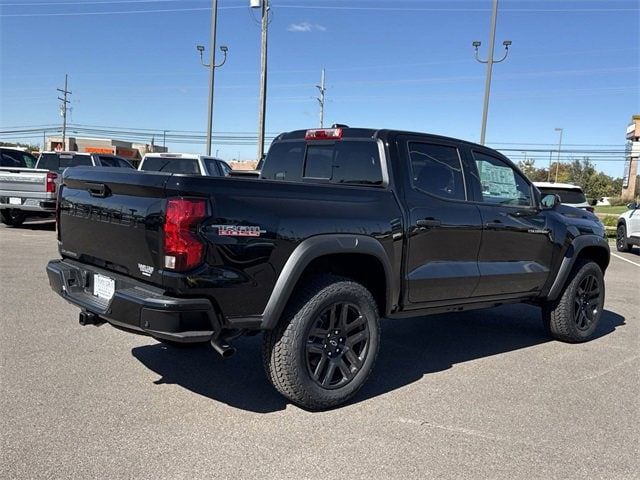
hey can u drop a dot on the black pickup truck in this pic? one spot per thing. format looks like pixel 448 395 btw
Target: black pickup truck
pixel 343 227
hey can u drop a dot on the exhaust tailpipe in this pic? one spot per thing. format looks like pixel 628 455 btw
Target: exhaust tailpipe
pixel 223 348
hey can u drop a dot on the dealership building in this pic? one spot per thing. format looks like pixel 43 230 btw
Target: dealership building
pixel 131 151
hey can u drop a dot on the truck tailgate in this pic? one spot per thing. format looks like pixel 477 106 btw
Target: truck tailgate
pixel 21 181
pixel 112 218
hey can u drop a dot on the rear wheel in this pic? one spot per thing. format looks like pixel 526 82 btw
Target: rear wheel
pixel 574 317
pixel 621 239
pixel 325 346
pixel 13 217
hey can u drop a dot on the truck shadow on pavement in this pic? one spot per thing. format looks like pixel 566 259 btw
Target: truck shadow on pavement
pixel 409 350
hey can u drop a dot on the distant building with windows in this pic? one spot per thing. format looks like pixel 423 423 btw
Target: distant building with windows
pixel 632 156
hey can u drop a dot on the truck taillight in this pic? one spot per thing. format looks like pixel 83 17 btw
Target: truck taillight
pixel 183 250
pixel 51 182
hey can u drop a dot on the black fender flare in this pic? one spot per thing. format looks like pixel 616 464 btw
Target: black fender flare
pixel 315 247
pixel 568 261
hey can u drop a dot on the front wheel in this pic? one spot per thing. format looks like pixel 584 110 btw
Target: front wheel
pixel 13 217
pixel 621 239
pixel 574 317
pixel 325 345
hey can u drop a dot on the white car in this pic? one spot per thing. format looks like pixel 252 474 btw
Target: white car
pixel 569 194
pixel 188 163
pixel 628 231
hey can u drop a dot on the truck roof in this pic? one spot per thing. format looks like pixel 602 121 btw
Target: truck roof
pixel 188 156
pixel 356 132
pixel 557 185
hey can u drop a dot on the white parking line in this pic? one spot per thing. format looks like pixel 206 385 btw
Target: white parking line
pixel 625 259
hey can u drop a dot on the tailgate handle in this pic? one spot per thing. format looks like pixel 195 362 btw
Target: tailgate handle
pixel 98 190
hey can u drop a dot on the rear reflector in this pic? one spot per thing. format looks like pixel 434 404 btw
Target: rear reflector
pixel 183 249
pixel 324 134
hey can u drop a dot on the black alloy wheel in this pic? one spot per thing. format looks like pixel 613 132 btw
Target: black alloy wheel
pixel 337 345
pixel 621 239
pixel 586 302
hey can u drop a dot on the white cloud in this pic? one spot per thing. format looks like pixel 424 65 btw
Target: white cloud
pixel 306 27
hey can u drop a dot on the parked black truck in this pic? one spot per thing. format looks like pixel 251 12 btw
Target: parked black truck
pixel 344 226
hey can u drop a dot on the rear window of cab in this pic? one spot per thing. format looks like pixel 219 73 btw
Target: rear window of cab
pixel 351 162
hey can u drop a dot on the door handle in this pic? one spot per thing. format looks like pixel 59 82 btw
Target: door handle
pixel 429 222
pixel 98 190
pixel 495 224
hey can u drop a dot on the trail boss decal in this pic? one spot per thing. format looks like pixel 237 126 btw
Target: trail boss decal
pixel 145 270
pixel 238 231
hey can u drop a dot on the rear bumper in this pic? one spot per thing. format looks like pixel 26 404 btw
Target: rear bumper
pixel 29 204
pixel 135 306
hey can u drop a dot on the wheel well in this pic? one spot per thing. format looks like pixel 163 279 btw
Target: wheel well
pixel 597 254
pixel 362 268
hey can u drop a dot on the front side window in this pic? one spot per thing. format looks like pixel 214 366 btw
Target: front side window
pixel 437 170
pixel 500 183
pixel 226 170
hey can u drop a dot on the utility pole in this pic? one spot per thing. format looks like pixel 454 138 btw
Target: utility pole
pixel 490 61
pixel 559 147
pixel 322 89
pixel 262 108
pixel 212 68
pixel 63 110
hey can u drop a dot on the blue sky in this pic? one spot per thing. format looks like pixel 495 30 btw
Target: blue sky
pixel 396 64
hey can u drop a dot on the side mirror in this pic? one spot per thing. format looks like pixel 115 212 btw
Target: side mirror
pixel 550 201
pixel 632 206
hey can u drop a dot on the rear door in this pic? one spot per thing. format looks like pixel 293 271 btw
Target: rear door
pixel 516 249
pixel 444 228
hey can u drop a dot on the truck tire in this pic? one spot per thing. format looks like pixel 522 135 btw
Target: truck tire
pixel 574 317
pixel 13 217
pixel 326 343
pixel 621 239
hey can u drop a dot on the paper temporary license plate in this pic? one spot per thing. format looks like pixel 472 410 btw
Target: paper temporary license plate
pixel 15 201
pixel 103 287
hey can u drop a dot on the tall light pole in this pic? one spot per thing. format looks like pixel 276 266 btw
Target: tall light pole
pixel 212 67
pixel 322 89
pixel 64 106
pixel 262 107
pixel 490 61
pixel 559 147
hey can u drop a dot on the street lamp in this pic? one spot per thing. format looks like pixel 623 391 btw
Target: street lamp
pixel 559 147
pixel 212 66
pixel 490 61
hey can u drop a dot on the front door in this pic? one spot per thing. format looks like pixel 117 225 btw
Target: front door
pixel 444 229
pixel 515 253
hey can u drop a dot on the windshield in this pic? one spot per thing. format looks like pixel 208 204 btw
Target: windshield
pixel 60 161
pixel 567 195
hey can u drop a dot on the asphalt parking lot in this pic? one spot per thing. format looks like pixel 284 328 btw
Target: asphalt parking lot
pixel 475 395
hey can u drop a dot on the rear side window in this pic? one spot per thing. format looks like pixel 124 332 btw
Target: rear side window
pixel 60 161
pixel 108 161
pixel 212 167
pixel 437 170
pixel 345 162
pixel 284 162
pixel 500 182
pixel 171 165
